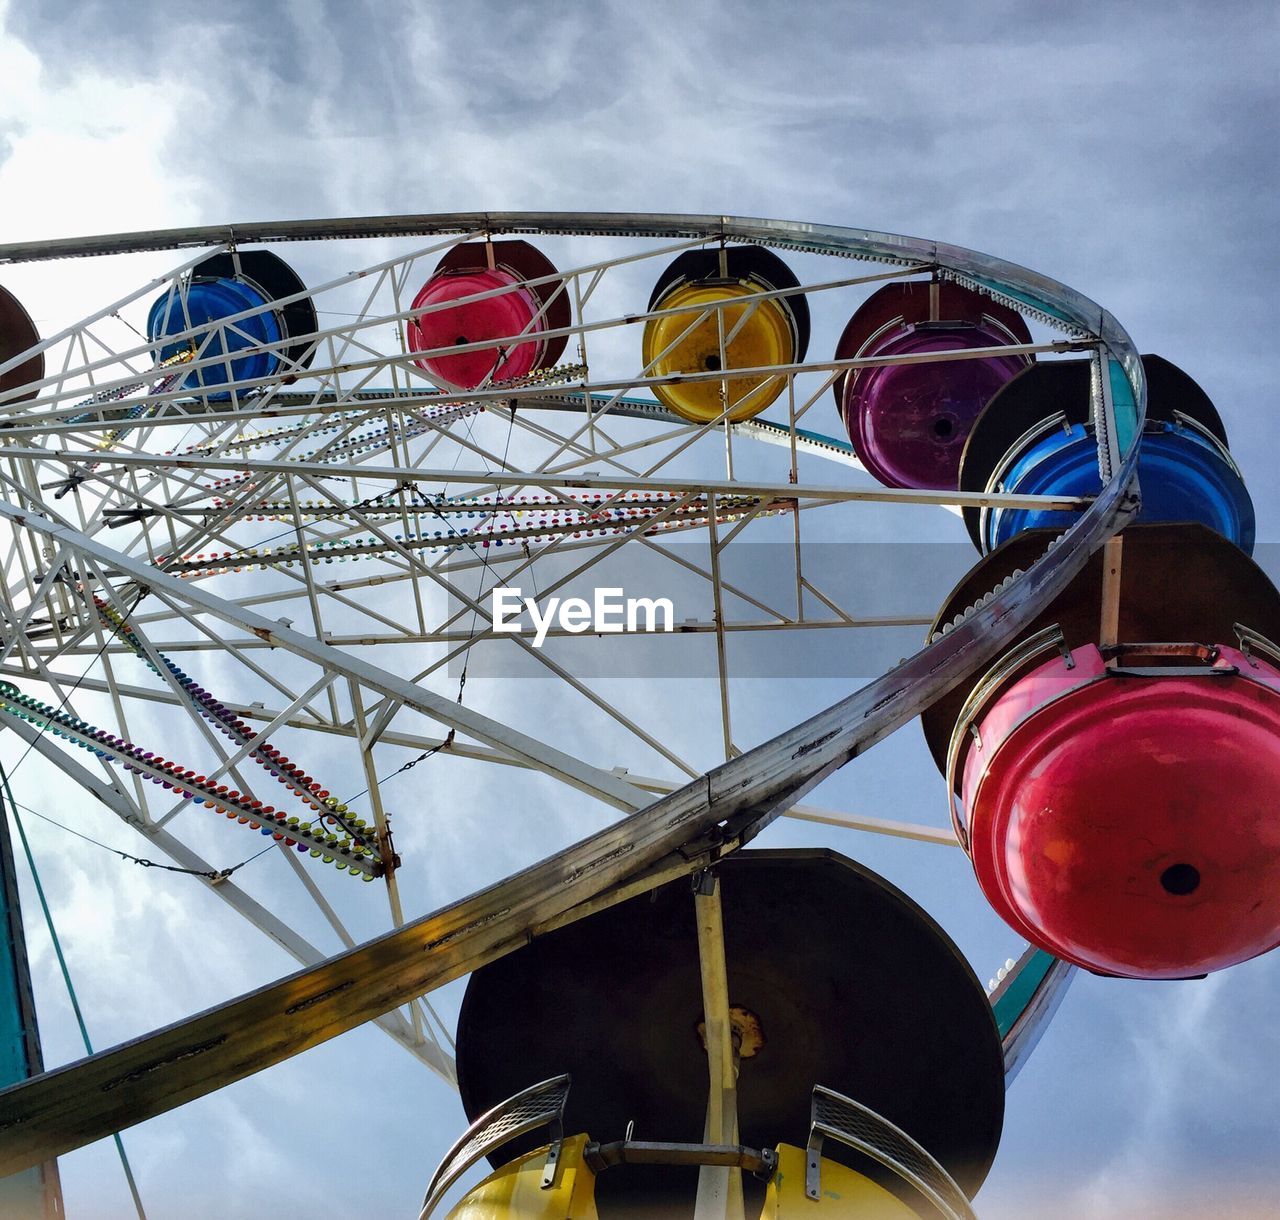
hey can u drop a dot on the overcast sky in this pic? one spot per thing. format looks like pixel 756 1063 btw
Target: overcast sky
pixel 1129 150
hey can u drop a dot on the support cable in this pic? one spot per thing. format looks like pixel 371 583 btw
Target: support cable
pixel 220 874
pixel 66 977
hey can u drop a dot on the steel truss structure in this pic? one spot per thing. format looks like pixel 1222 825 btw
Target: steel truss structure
pixel 165 585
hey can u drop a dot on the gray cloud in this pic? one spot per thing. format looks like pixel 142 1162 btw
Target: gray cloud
pixel 1129 150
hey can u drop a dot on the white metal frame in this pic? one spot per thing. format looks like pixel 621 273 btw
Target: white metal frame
pixel 95 505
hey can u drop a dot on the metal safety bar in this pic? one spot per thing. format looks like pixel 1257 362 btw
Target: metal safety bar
pixel 845 1120
pixel 1251 641
pixel 983 691
pixel 762 1162
pixel 541 1105
pixel 1057 422
pixel 1194 425
pixel 1202 660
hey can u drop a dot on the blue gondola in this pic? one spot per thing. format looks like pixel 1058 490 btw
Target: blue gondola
pixel 1036 438
pixel 207 302
pixel 1185 474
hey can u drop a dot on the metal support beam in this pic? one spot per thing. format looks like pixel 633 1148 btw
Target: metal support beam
pixel 36 1191
pixel 1109 627
pixel 179 593
pixel 297 946
pixel 719 1186
pixel 833 493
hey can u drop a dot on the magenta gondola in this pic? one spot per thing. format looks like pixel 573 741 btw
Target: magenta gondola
pixel 908 422
pixel 1119 805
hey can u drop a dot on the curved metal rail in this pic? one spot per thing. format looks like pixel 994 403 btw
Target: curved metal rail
pixel 540 1105
pixel 854 1125
pixel 675 835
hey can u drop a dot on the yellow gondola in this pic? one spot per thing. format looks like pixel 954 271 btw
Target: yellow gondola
pixel 698 333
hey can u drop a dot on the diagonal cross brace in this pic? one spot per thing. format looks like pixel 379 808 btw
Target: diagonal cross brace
pixel 599 783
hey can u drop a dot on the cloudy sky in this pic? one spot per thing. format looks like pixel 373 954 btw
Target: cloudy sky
pixel 1129 150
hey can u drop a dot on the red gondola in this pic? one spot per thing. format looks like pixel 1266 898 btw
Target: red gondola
pixel 480 293
pixel 1117 801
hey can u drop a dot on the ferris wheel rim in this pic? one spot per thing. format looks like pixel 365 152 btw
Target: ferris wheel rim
pixel 784 234
pixel 1055 302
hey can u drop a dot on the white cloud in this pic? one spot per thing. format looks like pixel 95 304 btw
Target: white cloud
pixel 1115 151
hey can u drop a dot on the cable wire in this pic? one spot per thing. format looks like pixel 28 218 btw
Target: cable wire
pixel 220 874
pixel 462 680
pixel 66 976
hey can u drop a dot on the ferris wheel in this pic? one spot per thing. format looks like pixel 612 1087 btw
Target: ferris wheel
pixel 257 513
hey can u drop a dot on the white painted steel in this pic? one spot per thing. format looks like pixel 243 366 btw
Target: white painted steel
pixel 62 478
